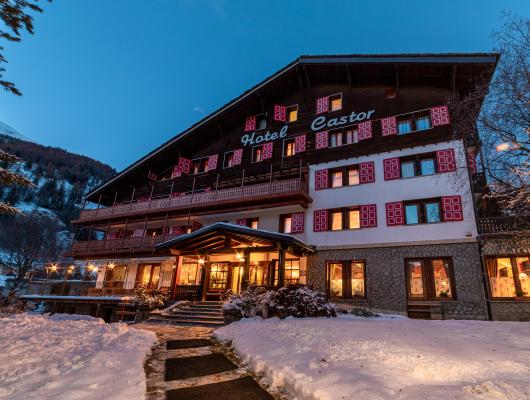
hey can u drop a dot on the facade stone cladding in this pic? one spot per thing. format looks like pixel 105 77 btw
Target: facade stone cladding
pixel 508 310
pixel 385 276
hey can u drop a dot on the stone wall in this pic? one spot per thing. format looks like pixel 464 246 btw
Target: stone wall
pixel 506 246
pixel 506 310
pixel 386 282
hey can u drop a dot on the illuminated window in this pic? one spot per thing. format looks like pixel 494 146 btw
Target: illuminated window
pixel 254 222
pixel 288 149
pixel 509 276
pixel 257 153
pixel 353 176
pixel 335 280
pixel 188 274
pixel 292 113
pixel 354 219
pixel 199 166
pixel 429 279
pixel 336 178
pixel 357 279
pixel 229 159
pixel 292 272
pixel 285 223
pixel 335 102
pixel 336 220
pixel 340 273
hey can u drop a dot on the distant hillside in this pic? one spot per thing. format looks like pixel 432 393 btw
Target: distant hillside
pixel 61 178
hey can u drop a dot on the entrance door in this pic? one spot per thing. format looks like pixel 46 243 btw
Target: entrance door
pixel 237 276
pixel 429 279
pixel 218 279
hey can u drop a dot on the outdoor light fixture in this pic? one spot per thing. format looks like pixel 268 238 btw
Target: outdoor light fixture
pixel 54 267
pixel 174 267
pixel 201 261
pixel 239 256
pixel 110 265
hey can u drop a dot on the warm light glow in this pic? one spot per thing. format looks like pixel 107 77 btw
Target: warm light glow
pixel 523 275
pixel 174 267
pixel 71 267
pixel 54 267
pixel 239 256
pixel 201 261
pixel 110 265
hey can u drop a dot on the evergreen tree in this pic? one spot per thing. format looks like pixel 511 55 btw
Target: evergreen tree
pixel 9 178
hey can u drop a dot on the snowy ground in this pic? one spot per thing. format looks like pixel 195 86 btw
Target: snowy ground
pixel 382 358
pixel 71 357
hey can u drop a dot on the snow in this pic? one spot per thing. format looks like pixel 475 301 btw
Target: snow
pixel 72 357
pixel 8 130
pixel 382 358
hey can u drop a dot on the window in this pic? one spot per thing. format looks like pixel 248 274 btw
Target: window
pixel 346 280
pixel 509 276
pixel 229 159
pixel 427 166
pixel 429 279
pixel 422 211
pixel 407 169
pixel 335 139
pixel 353 176
pixel 404 126
pixel 285 223
pixel 292 272
pixel 343 136
pixel 423 122
pixel 261 121
pixel 115 275
pixel 257 154
pixel 288 148
pixel 188 273
pixel 352 136
pixel 336 220
pixel 292 113
pixel 254 223
pixel 345 218
pixel 249 222
pixel 335 102
pixel 354 219
pixel 199 166
pixel 148 275
pixel 336 178
pixel 218 277
pixel 412 214
pixel 417 165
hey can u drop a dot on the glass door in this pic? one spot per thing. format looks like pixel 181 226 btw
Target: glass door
pixel 237 275
pixel 416 279
pixel 148 275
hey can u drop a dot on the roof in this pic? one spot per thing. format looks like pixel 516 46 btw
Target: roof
pixel 427 58
pixel 213 237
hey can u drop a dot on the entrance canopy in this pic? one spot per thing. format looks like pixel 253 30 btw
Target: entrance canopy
pixel 222 236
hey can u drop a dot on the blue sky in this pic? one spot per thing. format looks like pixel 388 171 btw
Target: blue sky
pixel 115 79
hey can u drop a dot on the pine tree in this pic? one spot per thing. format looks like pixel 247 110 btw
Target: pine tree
pixel 10 178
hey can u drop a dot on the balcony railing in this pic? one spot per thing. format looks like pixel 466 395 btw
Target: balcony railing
pixel 116 245
pixel 204 198
pixel 504 224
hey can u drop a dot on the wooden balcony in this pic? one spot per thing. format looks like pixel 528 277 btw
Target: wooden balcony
pixel 269 194
pixel 133 245
pixel 504 225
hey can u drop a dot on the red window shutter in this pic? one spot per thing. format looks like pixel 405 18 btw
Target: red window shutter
pixel 299 144
pixel 320 220
pixel 297 222
pixel 394 214
pixel 242 222
pixel 250 124
pixel 151 175
pixel 267 151
pixel 322 105
pixel 439 116
pixel 391 168
pixel 365 130
pixel 367 172
pixel 322 139
pixel 368 216
pixel 279 113
pixel 212 162
pixel 389 126
pixel 452 208
pixel 446 160
pixel 472 162
pixel 321 179
pixel 238 156
pixel 184 165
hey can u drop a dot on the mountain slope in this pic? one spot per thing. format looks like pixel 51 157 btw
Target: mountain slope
pixel 61 178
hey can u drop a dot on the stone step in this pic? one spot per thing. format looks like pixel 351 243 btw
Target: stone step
pixel 187 322
pixel 214 310
pixel 192 311
pixel 195 316
pixel 212 306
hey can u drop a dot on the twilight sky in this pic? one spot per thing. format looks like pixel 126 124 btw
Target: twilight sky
pixel 115 79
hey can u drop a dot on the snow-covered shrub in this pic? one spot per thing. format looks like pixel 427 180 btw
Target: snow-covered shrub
pixel 246 304
pixel 295 300
pixel 299 301
pixel 144 298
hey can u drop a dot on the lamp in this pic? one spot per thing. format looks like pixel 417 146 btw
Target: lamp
pixel 201 261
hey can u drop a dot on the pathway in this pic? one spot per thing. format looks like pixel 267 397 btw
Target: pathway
pixel 186 364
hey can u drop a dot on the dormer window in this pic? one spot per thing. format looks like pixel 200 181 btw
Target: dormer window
pixel 292 113
pixel 199 166
pixel 261 121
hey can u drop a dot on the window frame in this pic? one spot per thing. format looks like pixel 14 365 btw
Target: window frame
pixel 422 210
pixel 288 110
pixel 331 97
pixel 346 279
pixel 429 288
pixel 254 150
pixel 201 160
pixel 413 119
pixel 231 153
pixel 515 273
pixel 345 218
pixel 283 217
pixel 286 143
pixel 345 170
pixel 416 160
pixel 259 118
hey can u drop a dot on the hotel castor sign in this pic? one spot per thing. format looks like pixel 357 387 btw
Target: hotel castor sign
pixel 318 124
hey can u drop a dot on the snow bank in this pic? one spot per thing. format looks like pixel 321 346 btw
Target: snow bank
pixel 381 358
pixel 71 357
